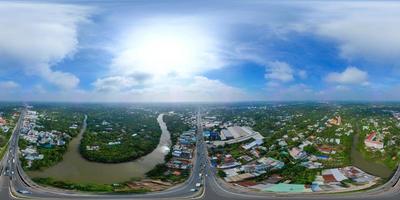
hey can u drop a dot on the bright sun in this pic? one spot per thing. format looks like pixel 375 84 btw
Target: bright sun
pixel 167 50
pixel 167 54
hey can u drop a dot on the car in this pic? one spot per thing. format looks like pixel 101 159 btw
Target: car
pixel 198 184
pixel 24 192
pixel 12 172
pixel 193 190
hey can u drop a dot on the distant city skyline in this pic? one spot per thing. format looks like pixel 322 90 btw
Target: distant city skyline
pixel 199 51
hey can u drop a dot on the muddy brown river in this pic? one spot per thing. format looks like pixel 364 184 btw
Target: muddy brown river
pixel 75 168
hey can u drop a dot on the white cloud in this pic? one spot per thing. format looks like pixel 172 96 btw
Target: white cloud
pixel 8 85
pixel 351 75
pixel 196 89
pixel 116 83
pixel 371 31
pixel 368 30
pixel 279 71
pixel 35 36
pixel 165 47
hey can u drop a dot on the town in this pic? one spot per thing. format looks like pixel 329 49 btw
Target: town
pixel 302 151
pixel 41 145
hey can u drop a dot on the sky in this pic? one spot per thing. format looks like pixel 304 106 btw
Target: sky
pixel 199 51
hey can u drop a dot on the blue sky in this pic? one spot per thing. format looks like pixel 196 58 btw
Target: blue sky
pixel 152 51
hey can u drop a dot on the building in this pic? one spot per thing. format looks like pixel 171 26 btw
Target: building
pixel 250 145
pixel 337 121
pixel 271 163
pixel 226 135
pixel 2 121
pixel 372 141
pixel 296 153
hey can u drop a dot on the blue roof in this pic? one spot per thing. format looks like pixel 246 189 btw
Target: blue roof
pixel 206 133
pixel 322 157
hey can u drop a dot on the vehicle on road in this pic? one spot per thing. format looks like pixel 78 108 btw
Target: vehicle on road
pixel 193 190
pixel 24 192
pixel 198 184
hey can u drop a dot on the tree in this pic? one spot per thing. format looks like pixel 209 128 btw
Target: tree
pixel 221 173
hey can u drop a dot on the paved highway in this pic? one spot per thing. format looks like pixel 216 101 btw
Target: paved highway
pixel 14 179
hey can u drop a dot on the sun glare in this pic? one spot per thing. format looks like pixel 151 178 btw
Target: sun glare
pixel 166 54
pixel 167 50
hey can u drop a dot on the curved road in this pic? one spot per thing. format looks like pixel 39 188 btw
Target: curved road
pixel 13 178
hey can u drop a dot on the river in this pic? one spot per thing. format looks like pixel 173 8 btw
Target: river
pixel 75 168
pixel 358 160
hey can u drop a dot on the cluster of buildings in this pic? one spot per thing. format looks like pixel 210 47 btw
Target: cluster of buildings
pixel 334 179
pixel 330 180
pixel 35 138
pixel 252 166
pixel 376 130
pixel 319 144
pixel 306 160
pixel 3 125
pixel 396 115
pixel 30 154
pixel 46 139
pixel 236 172
pixel 182 151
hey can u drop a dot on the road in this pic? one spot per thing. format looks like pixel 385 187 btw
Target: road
pixel 14 179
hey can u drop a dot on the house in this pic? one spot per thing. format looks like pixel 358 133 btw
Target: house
pixel 372 141
pixel 296 153
pixel 282 143
pixel 239 177
pixel 114 143
pixel 250 145
pixel 271 163
pixel 333 176
pixel 311 165
pixel 337 121
pixel 327 150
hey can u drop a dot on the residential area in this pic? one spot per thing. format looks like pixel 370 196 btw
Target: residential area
pixel 44 137
pixel 301 152
pixel 9 115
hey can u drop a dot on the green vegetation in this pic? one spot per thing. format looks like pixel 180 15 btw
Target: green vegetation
pixel 162 172
pixel 57 117
pixel 289 125
pixel 221 173
pixel 298 174
pixel 175 125
pixel 119 134
pixel 51 157
pixel 9 113
pixel 88 187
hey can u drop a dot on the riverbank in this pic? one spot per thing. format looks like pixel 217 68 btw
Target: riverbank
pixel 358 160
pixel 74 168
